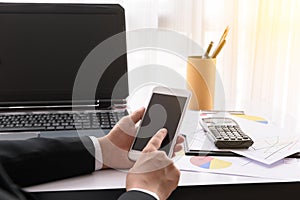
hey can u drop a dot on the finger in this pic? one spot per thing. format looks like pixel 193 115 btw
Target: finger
pixel 137 115
pixel 150 162
pixel 178 148
pixel 180 139
pixel 127 124
pixel 156 140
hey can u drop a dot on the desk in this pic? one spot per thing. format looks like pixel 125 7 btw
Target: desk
pixel 109 184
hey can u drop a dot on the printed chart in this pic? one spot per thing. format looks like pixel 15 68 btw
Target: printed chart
pixel 286 169
pixel 272 149
pixel 252 118
pixel 207 162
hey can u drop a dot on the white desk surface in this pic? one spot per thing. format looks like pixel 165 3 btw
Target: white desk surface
pixel 113 179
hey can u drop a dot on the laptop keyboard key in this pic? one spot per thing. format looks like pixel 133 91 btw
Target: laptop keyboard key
pixel 60 127
pixel 69 127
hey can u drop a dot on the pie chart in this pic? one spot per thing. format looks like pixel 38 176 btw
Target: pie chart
pixel 207 162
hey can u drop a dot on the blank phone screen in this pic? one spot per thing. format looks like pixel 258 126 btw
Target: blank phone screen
pixel 164 111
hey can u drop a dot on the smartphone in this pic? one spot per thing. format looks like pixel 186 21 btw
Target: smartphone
pixel 166 109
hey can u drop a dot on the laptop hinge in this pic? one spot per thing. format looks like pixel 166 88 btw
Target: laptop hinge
pixel 98 104
pixel 112 103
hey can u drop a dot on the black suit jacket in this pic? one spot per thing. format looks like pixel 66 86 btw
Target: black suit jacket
pixel 40 160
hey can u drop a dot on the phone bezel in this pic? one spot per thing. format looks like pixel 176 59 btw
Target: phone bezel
pixel 134 154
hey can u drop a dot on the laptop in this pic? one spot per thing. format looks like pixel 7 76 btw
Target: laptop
pixel 42 47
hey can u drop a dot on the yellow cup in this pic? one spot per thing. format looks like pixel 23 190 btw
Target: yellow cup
pixel 201 75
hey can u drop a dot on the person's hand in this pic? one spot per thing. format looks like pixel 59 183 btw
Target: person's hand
pixel 117 143
pixel 154 171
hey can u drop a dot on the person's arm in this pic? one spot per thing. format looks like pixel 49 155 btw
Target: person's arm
pixel 39 160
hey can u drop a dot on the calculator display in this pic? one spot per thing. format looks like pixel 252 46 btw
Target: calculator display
pixel 219 121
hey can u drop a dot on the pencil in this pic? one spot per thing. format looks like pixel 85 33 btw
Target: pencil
pixel 219 48
pixel 224 35
pixel 206 55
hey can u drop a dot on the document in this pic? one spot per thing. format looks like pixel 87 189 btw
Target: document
pixel 286 169
pixel 269 150
pixel 271 143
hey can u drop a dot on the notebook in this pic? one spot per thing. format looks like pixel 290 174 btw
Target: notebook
pixel 42 47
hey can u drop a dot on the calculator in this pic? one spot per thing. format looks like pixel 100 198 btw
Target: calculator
pixel 225 133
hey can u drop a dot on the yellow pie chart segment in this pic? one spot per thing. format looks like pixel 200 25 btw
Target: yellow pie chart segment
pixel 219 164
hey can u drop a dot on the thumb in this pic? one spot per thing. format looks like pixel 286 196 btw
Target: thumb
pixel 137 115
pixel 127 124
pixel 156 140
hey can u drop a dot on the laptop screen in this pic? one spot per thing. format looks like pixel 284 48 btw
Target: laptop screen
pixel 42 47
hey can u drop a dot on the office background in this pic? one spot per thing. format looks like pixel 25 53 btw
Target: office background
pixel 259 66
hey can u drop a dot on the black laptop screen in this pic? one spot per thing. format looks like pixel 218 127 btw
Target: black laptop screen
pixel 40 54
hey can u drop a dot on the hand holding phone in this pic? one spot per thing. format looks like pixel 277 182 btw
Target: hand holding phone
pixel 154 170
pixel 165 110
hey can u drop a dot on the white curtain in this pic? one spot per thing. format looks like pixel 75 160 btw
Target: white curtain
pixel 259 65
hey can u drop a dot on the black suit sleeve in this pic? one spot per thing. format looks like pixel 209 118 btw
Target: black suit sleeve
pixel 39 160
pixel 136 195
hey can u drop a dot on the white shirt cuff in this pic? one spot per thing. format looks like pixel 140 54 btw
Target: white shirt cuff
pixel 98 153
pixel 145 191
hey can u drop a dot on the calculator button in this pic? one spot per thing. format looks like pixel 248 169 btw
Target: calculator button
pixel 216 133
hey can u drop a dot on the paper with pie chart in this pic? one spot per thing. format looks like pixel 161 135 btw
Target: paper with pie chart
pixel 206 162
pixel 240 166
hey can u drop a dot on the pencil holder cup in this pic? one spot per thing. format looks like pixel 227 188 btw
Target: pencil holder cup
pixel 201 75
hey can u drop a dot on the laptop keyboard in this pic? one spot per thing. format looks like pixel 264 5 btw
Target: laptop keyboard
pixel 59 121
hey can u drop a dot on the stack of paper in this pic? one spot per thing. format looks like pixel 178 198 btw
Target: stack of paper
pixel 265 158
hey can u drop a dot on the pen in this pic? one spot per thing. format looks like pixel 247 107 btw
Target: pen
pixel 218 49
pixel 224 35
pixel 210 153
pixel 206 55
